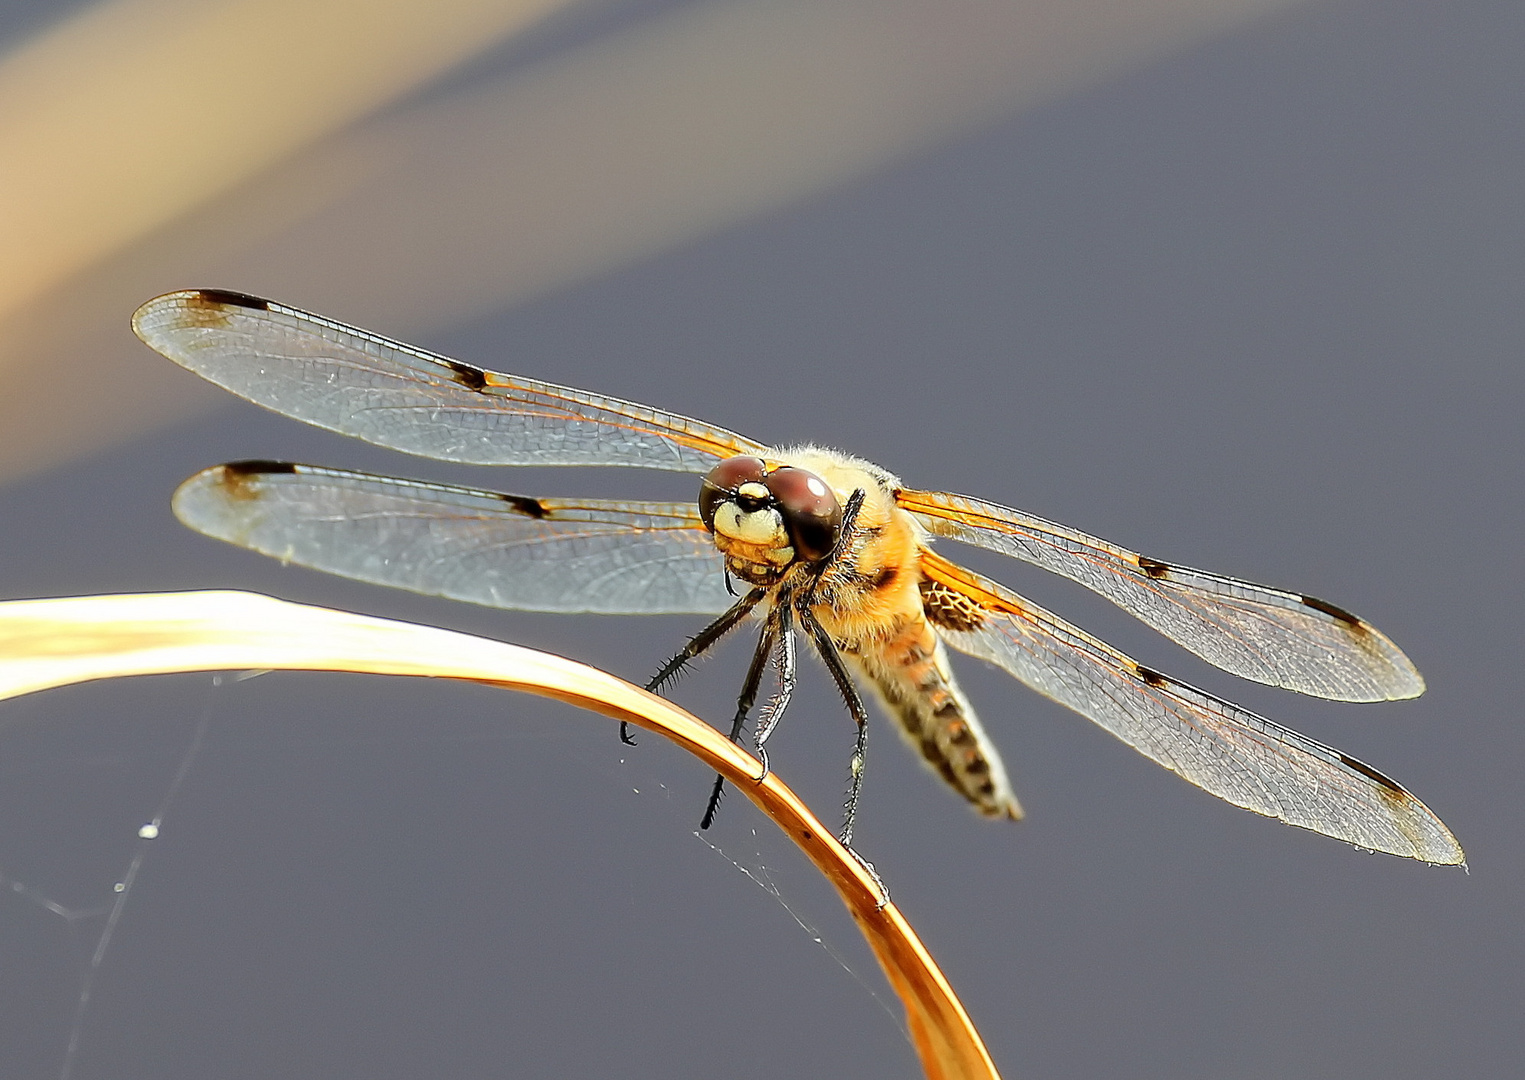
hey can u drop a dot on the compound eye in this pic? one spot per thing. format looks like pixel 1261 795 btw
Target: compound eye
pixel 811 511
pixel 721 482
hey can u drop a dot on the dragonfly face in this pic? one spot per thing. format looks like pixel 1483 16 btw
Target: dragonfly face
pixel 765 520
pixel 832 547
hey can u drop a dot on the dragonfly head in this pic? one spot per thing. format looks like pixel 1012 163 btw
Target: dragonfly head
pixel 768 518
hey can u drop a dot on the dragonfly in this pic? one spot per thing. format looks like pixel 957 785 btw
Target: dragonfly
pixel 803 542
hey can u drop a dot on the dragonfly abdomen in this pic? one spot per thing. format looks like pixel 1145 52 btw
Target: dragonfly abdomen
pixel 910 672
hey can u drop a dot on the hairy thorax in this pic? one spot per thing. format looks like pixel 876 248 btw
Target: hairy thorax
pixel 871 589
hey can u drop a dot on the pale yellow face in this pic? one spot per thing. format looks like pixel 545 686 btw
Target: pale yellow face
pixel 758 536
pixel 763 527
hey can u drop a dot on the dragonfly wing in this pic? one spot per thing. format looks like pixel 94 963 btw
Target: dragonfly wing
pixel 1267 635
pixel 357 383
pixel 1228 751
pixel 507 551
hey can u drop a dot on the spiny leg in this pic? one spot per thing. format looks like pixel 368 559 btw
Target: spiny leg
pixel 839 675
pixel 833 660
pixel 744 705
pixel 704 639
pixel 845 530
pixel 787 667
pixel 697 646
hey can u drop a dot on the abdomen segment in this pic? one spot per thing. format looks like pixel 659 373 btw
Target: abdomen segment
pixel 911 674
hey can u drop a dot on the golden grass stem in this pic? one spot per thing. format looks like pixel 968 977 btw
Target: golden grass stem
pixel 57 642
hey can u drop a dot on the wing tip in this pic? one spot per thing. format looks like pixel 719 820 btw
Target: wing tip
pixel 1444 851
pixel 230 483
pixel 1397 679
pixel 1433 842
pixel 1441 848
pixel 1410 684
pixel 189 308
pixel 1454 856
pixel 1417 833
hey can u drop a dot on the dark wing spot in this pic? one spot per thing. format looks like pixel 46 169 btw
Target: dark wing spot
pixel 207 309
pixel 1372 774
pixel 257 466
pixel 469 377
pixel 525 505
pixel 1153 567
pixel 1334 612
pixel 239 478
pixel 1152 677
pixel 949 608
pixel 228 298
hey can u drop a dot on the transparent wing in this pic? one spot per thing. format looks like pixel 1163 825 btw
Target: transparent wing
pixel 1269 636
pixel 508 551
pixel 1231 752
pixel 347 380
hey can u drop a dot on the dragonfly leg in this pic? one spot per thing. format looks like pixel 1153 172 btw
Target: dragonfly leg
pixel 839 675
pixel 744 703
pixel 786 660
pixel 696 646
pixel 845 530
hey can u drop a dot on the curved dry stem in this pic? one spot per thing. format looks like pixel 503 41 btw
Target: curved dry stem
pixel 48 643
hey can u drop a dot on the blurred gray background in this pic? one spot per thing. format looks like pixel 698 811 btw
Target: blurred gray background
pixel 1249 303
